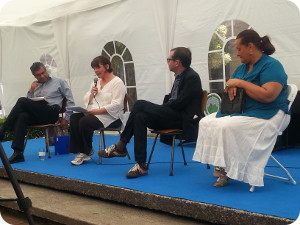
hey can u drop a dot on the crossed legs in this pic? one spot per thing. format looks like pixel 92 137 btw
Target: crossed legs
pixel 144 115
pixel 26 112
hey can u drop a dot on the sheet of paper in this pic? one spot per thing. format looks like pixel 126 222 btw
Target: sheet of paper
pixel 76 109
pixel 38 99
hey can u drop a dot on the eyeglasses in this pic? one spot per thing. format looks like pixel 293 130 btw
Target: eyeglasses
pixel 169 59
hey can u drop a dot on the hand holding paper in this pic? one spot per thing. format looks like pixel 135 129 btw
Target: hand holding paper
pixel 76 109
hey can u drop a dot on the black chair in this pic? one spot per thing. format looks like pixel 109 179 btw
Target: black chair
pixel 175 133
pixel 171 132
pixel 47 128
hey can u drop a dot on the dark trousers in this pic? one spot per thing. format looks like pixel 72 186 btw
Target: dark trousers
pixel 145 115
pixel 27 112
pixel 81 132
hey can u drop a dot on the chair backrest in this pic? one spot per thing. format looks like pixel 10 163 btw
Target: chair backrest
pixel 292 91
pixel 203 101
pixel 125 103
pixel 291 95
pixel 63 107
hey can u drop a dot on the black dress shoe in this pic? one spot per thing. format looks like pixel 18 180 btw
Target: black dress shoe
pixel 16 157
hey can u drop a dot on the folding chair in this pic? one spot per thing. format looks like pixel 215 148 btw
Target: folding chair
pixel 174 133
pixel 292 92
pixel 46 128
pixel 117 129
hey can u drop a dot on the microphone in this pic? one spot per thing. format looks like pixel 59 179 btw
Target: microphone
pixel 95 81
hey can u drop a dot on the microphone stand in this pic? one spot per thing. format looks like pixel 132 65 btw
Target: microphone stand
pixel 24 203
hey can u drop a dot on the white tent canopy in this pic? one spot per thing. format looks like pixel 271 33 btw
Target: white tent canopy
pixel 137 34
pixel 24 13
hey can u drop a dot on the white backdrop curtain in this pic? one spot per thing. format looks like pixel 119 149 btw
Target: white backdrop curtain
pixel 148 28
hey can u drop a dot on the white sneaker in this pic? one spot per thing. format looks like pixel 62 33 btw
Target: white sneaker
pixel 80 158
pixel 137 171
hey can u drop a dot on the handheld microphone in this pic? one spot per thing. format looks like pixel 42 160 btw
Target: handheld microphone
pixel 95 81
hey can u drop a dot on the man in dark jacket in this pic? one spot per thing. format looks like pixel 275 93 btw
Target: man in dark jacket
pixel 180 110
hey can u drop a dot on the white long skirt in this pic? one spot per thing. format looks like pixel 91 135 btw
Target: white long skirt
pixel 239 144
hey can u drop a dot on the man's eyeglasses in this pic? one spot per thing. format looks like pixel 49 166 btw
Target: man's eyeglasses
pixel 169 59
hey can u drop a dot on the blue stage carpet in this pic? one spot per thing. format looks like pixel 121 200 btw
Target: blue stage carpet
pixel 192 182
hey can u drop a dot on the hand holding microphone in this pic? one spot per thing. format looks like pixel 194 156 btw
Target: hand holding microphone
pixel 95 81
pixel 95 89
pixel 94 92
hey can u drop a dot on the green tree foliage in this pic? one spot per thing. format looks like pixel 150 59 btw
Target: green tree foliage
pixel 31 134
pixel 216 43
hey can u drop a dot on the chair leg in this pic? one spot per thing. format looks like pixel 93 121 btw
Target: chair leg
pixel 183 155
pixel 152 150
pixel 172 156
pixel 289 176
pixel 101 140
pixel 47 142
pixel 25 142
pixel 128 156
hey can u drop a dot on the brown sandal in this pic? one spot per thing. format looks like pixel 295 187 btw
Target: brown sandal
pixel 222 181
pixel 217 171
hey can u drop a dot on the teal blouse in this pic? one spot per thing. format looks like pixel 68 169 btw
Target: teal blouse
pixel 266 69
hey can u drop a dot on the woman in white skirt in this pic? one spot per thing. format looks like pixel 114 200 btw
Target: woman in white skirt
pixel 239 145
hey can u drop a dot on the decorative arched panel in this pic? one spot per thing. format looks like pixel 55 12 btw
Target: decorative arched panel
pixel 222 59
pixel 123 67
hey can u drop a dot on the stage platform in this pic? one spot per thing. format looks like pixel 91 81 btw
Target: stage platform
pixel 188 193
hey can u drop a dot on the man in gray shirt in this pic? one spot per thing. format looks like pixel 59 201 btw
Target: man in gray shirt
pixel 27 112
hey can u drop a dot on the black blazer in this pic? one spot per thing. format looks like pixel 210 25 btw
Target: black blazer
pixel 188 103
